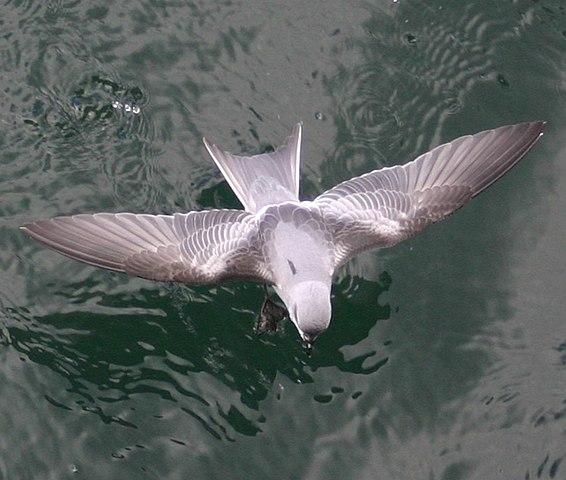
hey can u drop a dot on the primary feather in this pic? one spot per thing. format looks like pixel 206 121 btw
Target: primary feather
pixel 196 247
pixel 384 207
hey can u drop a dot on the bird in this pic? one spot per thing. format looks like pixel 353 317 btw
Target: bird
pixel 296 246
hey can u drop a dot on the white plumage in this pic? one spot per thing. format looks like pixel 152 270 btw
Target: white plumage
pixel 295 246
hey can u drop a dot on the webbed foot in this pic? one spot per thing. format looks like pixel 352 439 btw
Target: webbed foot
pixel 270 315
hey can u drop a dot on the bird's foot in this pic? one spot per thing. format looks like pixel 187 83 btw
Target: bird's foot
pixel 269 316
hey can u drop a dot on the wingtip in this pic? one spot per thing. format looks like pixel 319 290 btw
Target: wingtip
pixel 540 126
pixel 210 147
pixel 536 126
pixel 31 228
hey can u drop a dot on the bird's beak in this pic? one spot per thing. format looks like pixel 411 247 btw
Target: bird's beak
pixel 308 341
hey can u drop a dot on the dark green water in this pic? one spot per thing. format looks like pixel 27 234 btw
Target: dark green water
pixel 446 358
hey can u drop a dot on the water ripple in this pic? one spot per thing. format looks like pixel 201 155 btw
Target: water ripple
pixel 426 368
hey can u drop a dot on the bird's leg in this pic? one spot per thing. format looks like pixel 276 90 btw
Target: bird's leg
pixel 270 315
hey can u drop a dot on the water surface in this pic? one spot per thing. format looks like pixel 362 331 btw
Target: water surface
pixel 446 356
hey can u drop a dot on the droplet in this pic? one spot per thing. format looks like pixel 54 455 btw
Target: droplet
pixel 116 104
pixel 410 39
pixel 319 116
pixel 135 109
pixel 127 107
pixel 502 81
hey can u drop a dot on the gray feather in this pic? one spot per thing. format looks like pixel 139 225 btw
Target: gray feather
pixel 197 247
pixel 384 207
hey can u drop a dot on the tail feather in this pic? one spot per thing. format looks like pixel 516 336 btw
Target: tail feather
pixel 263 179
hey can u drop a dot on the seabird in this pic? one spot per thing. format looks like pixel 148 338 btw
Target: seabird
pixel 295 246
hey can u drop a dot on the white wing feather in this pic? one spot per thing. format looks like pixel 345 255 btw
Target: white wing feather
pixel 384 207
pixel 196 247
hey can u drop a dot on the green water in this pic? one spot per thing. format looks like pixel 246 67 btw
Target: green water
pixel 446 357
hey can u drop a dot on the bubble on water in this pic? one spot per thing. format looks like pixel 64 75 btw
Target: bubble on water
pixel 74 468
pixel 127 107
pixel 502 81
pixel 319 116
pixel 410 39
pixel 116 104
pixel 135 109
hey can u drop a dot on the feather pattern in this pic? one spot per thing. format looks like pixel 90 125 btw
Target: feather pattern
pixel 265 179
pixel 296 246
pixel 197 247
pixel 384 207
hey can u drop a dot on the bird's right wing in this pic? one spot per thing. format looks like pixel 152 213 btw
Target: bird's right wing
pixel 386 206
pixel 197 247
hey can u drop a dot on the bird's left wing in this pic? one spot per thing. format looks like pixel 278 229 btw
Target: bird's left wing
pixel 386 206
pixel 197 247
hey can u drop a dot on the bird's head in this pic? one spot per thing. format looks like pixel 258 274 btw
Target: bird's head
pixel 310 309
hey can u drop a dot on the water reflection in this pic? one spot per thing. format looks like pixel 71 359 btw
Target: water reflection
pixel 154 341
pixel 414 86
pixel 425 370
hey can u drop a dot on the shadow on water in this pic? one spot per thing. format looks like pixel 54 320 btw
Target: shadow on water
pixel 181 331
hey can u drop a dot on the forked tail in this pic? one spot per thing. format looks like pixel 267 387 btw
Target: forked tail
pixel 263 179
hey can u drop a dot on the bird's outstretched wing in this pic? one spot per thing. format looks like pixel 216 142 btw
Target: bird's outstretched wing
pixel 386 206
pixel 197 247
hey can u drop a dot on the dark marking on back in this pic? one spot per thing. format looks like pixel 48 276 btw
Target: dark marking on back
pixel 292 267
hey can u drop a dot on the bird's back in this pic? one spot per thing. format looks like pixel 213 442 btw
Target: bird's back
pixel 297 245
